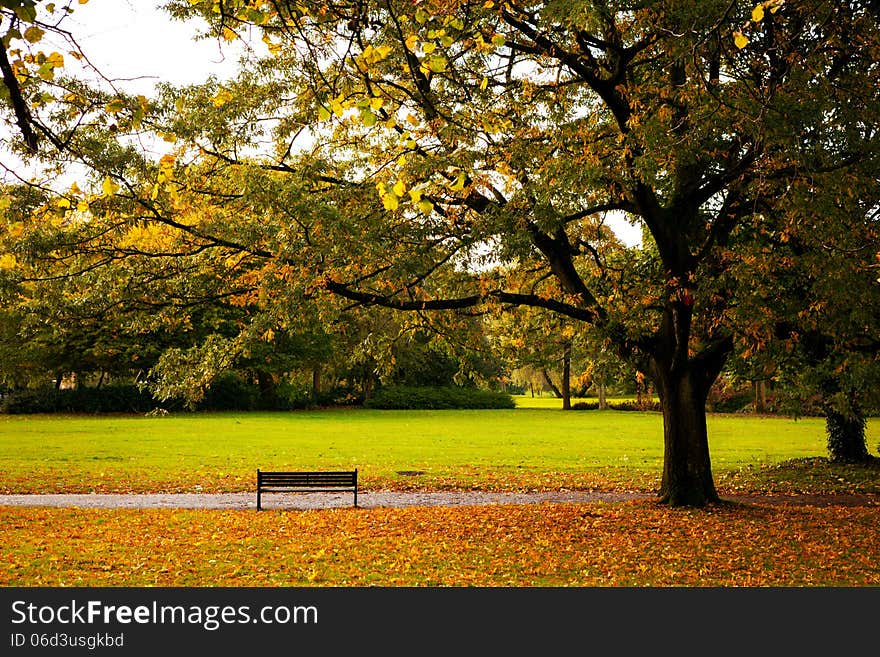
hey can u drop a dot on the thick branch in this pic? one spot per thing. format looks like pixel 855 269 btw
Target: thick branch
pixel 461 303
pixel 22 113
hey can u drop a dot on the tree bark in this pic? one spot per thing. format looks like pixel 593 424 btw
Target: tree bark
pixel 566 376
pixel 687 469
pixel 683 381
pixel 760 389
pixel 603 402
pixel 556 391
pixel 316 382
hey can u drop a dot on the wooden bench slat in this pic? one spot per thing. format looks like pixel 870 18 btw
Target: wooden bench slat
pixel 305 482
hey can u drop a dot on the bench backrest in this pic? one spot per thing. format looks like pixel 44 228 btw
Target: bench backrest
pixel 306 479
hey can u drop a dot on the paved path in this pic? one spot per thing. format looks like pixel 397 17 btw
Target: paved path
pixel 307 500
pixel 383 499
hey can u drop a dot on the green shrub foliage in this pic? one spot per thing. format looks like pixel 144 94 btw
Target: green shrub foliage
pixel 107 399
pixel 435 398
pixel 846 437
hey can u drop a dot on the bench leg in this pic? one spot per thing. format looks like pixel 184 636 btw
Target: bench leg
pixel 258 500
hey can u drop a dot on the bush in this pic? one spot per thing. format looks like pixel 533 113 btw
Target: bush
pixel 635 406
pixel 585 406
pixel 108 399
pixel 436 398
pixel 292 396
pixel 229 392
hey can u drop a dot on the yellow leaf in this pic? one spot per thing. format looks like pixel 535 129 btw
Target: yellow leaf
pixel 758 14
pixel 426 206
pixel 222 97
pixel 390 201
pixel 376 103
pixel 415 195
pixel 399 188
pixel 63 203
pixel 436 64
pixel 7 261
pixel 484 84
pixel 109 187
pixel 273 47
pixel 740 40
pixel 411 42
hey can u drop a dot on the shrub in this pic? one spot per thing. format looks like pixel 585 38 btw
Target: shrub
pixel 635 406
pixel 435 398
pixel 292 396
pixel 585 406
pixel 229 392
pixel 108 399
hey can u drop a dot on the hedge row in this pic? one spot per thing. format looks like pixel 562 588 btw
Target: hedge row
pixel 108 399
pixel 619 406
pixel 231 394
pixel 436 398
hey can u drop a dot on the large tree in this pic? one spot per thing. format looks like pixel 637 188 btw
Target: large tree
pixel 450 154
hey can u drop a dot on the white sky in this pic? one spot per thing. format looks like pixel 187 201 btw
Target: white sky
pixel 135 39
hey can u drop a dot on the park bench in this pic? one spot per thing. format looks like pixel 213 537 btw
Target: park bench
pixel 306 482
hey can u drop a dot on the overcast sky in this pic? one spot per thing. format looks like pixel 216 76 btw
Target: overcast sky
pixel 136 39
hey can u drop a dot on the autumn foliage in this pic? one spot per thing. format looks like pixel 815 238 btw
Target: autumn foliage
pixel 630 544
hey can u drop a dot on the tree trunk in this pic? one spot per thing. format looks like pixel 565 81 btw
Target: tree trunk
pixel 266 386
pixel 760 389
pixel 687 470
pixel 683 381
pixel 316 382
pixel 603 402
pixel 566 376
pixel 547 380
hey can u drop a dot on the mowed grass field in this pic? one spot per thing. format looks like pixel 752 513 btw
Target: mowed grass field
pixel 524 448
pixel 624 544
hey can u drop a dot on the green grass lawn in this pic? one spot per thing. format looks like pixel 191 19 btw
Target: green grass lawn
pixel 525 448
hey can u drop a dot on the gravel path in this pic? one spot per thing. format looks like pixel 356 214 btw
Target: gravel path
pixel 306 500
pixel 384 499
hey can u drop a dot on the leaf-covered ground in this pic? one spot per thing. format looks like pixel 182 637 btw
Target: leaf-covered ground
pixel 624 544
